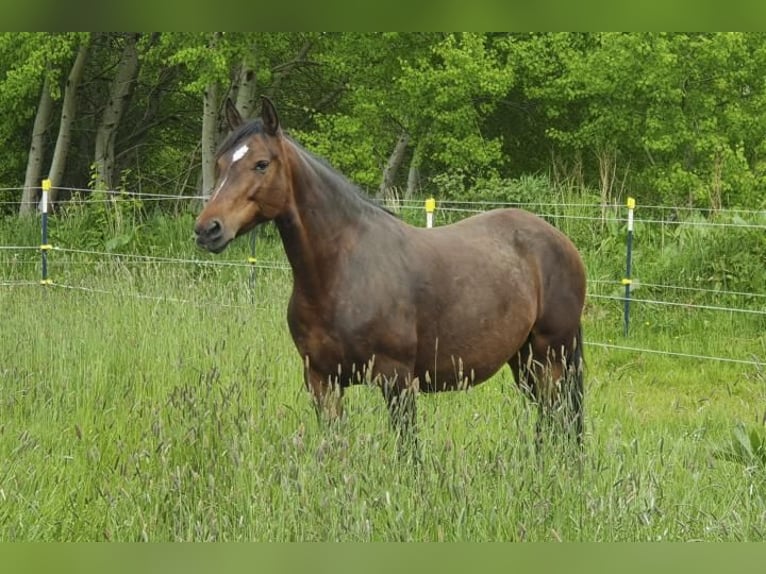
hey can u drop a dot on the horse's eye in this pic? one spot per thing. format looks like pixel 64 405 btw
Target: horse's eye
pixel 261 165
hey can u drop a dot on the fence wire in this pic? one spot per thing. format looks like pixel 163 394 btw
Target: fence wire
pixel 165 299
pixel 450 206
pixel 753 363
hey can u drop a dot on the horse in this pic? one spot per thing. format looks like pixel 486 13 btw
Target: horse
pixel 410 309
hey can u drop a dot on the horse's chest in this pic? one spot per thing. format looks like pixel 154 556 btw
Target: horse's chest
pixel 316 337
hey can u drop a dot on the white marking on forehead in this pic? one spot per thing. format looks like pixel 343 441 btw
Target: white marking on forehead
pixel 240 153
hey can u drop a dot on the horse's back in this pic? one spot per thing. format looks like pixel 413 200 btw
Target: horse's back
pixel 507 239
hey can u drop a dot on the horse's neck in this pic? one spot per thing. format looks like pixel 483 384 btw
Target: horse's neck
pixel 319 220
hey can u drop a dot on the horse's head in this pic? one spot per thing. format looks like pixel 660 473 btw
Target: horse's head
pixel 252 185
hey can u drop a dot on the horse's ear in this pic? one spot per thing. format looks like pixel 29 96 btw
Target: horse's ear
pixel 233 117
pixel 269 116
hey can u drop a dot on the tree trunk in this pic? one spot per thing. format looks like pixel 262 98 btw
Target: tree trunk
pixel 210 127
pixel 413 175
pixel 36 150
pixel 392 166
pixel 209 136
pixel 246 91
pixel 119 95
pixel 68 111
pixel 607 171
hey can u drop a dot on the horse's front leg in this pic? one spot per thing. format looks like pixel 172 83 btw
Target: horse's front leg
pixel 327 395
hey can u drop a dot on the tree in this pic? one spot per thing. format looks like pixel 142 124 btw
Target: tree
pixel 420 97
pixel 32 64
pixel 676 117
pixel 671 118
pixel 68 113
pixel 119 94
pixel 36 158
pixel 226 65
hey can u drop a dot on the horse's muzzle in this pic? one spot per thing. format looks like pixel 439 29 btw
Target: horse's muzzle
pixel 211 236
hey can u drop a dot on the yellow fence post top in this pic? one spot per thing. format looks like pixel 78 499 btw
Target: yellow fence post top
pixel 631 203
pixel 46 185
pixel 430 205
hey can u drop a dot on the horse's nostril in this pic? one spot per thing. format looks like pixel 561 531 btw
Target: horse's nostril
pixel 211 235
pixel 212 228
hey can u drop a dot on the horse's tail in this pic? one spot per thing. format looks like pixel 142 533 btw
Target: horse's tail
pixel 575 367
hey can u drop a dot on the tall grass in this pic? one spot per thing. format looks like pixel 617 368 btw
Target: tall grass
pixel 181 415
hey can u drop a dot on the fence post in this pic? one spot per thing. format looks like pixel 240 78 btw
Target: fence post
pixel 627 280
pixel 430 207
pixel 44 245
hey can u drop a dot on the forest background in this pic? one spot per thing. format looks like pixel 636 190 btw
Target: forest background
pixel 671 118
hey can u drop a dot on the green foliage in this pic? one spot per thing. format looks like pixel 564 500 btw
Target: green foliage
pixel 676 118
pixel 100 221
pixel 694 251
pixel 25 59
pixel 347 143
pixel 447 90
pixel 530 192
pixel 202 52
pixel 666 111
pixel 434 87
pixel 525 190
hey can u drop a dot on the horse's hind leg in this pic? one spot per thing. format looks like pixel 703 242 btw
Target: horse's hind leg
pixel 574 372
pixel 523 368
pixel 551 376
pixel 528 372
pixel 567 364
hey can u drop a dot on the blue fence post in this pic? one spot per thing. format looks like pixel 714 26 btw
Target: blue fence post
pixel 627 280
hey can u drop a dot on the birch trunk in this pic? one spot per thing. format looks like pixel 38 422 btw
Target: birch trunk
pixel 119 95
pixel 68 112
pixel 413 175
pixel 246 91
pixel 210 127
pixel 36 157
pixel 392 166
pixel 209 136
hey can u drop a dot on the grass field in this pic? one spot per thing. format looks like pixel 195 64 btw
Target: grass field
pixel 180 414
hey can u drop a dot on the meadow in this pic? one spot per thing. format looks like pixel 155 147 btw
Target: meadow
pixel 162 400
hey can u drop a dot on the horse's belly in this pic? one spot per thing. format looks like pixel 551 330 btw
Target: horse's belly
pixel 461 354
pixel 459 370
pixel 460 377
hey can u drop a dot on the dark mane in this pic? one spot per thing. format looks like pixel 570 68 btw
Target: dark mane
pixel 340 180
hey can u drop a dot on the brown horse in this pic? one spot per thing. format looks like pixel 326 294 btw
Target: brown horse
pixel 408 308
